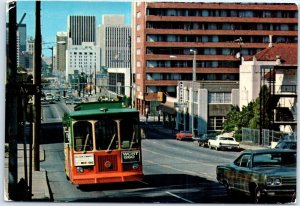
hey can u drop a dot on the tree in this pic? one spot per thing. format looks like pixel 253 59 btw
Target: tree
pixel 232 119
pixel 250 115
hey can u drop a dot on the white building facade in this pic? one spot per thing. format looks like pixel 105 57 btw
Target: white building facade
pixel 209 105
pixel 80 59
pixel 275 67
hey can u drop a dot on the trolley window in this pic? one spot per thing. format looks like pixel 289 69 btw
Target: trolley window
pixel 106 134
pixel 83 138
pixel 129 133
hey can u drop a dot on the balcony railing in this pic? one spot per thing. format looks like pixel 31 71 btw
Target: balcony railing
pixel 286 89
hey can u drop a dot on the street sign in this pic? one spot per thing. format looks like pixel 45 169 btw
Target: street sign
pixel 23 89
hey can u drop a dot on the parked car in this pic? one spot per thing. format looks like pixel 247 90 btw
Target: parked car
pixel 286 144
pixel 203 140
pixel 184 135
pixel 264 175
pixel 69 101
pixel 57 98
pixel 77 100
pixel 223 142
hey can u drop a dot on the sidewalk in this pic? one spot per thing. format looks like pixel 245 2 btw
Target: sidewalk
pixel 40 189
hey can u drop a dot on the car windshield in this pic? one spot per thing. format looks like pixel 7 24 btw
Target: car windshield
pixel 275 159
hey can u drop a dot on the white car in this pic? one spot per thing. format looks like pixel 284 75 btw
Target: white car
pixel 223 142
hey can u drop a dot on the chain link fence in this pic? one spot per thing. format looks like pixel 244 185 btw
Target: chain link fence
pixel 252 136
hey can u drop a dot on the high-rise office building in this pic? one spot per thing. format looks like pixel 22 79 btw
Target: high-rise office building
pixel 61 47
pixel 81 29
pixel 21 44
pixel 166 36
pixel 114 40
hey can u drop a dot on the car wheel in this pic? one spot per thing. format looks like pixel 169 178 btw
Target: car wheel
pixel 227 187
pixel 257 195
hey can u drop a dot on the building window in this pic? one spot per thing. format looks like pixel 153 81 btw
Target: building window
pixel 215 123
pixel 138 51
pixel 138 64
pixel 138 27
pixel 138 15
pixel 138 39
pixel 219 97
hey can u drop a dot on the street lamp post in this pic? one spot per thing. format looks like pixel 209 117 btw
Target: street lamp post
pixel 240 42
pixel 90 82
pixel 95 82
pixel 193 93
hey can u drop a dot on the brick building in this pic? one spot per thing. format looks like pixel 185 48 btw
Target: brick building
pixel 220 33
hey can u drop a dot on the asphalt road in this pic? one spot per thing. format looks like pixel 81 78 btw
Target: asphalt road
pixel 175 172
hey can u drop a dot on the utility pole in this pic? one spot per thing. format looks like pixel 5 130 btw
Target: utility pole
pixel 37 83
pixel 130 71
pixel 193 92
pixel 11 103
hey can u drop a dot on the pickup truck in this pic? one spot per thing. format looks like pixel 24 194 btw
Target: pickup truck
pixel 223 142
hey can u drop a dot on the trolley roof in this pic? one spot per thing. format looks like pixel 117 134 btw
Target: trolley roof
pixel 99 108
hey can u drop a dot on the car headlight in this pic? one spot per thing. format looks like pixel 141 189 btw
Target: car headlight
pixel 277 181
pixel 269 181
pixel 273 181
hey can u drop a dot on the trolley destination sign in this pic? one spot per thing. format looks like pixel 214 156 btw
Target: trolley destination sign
pixel 130 156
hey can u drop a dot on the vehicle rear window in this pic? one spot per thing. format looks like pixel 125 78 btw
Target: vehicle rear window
pixel 227 138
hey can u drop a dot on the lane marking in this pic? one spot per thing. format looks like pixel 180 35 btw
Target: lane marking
pixel 146 183
pixel 202 154
pixel 185 171
pixel 185 160
pixel 186 200
pixel 56 112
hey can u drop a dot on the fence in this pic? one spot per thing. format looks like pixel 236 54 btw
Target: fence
pixel 252 136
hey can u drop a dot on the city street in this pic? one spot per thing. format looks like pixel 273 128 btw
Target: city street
pixel 175 172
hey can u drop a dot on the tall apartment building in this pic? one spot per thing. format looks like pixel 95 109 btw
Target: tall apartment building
pixel 81 29
pixel 61 47
pixel 165 32
pixel 114 40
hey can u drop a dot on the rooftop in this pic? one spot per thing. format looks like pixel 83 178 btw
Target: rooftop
pixel 287 52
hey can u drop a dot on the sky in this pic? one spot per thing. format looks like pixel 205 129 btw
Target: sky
pixel 54 15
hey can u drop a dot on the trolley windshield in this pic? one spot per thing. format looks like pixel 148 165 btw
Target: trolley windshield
pixel 109 134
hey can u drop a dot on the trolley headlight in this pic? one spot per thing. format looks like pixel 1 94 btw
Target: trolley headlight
pixel 135 166
pixel 79 169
